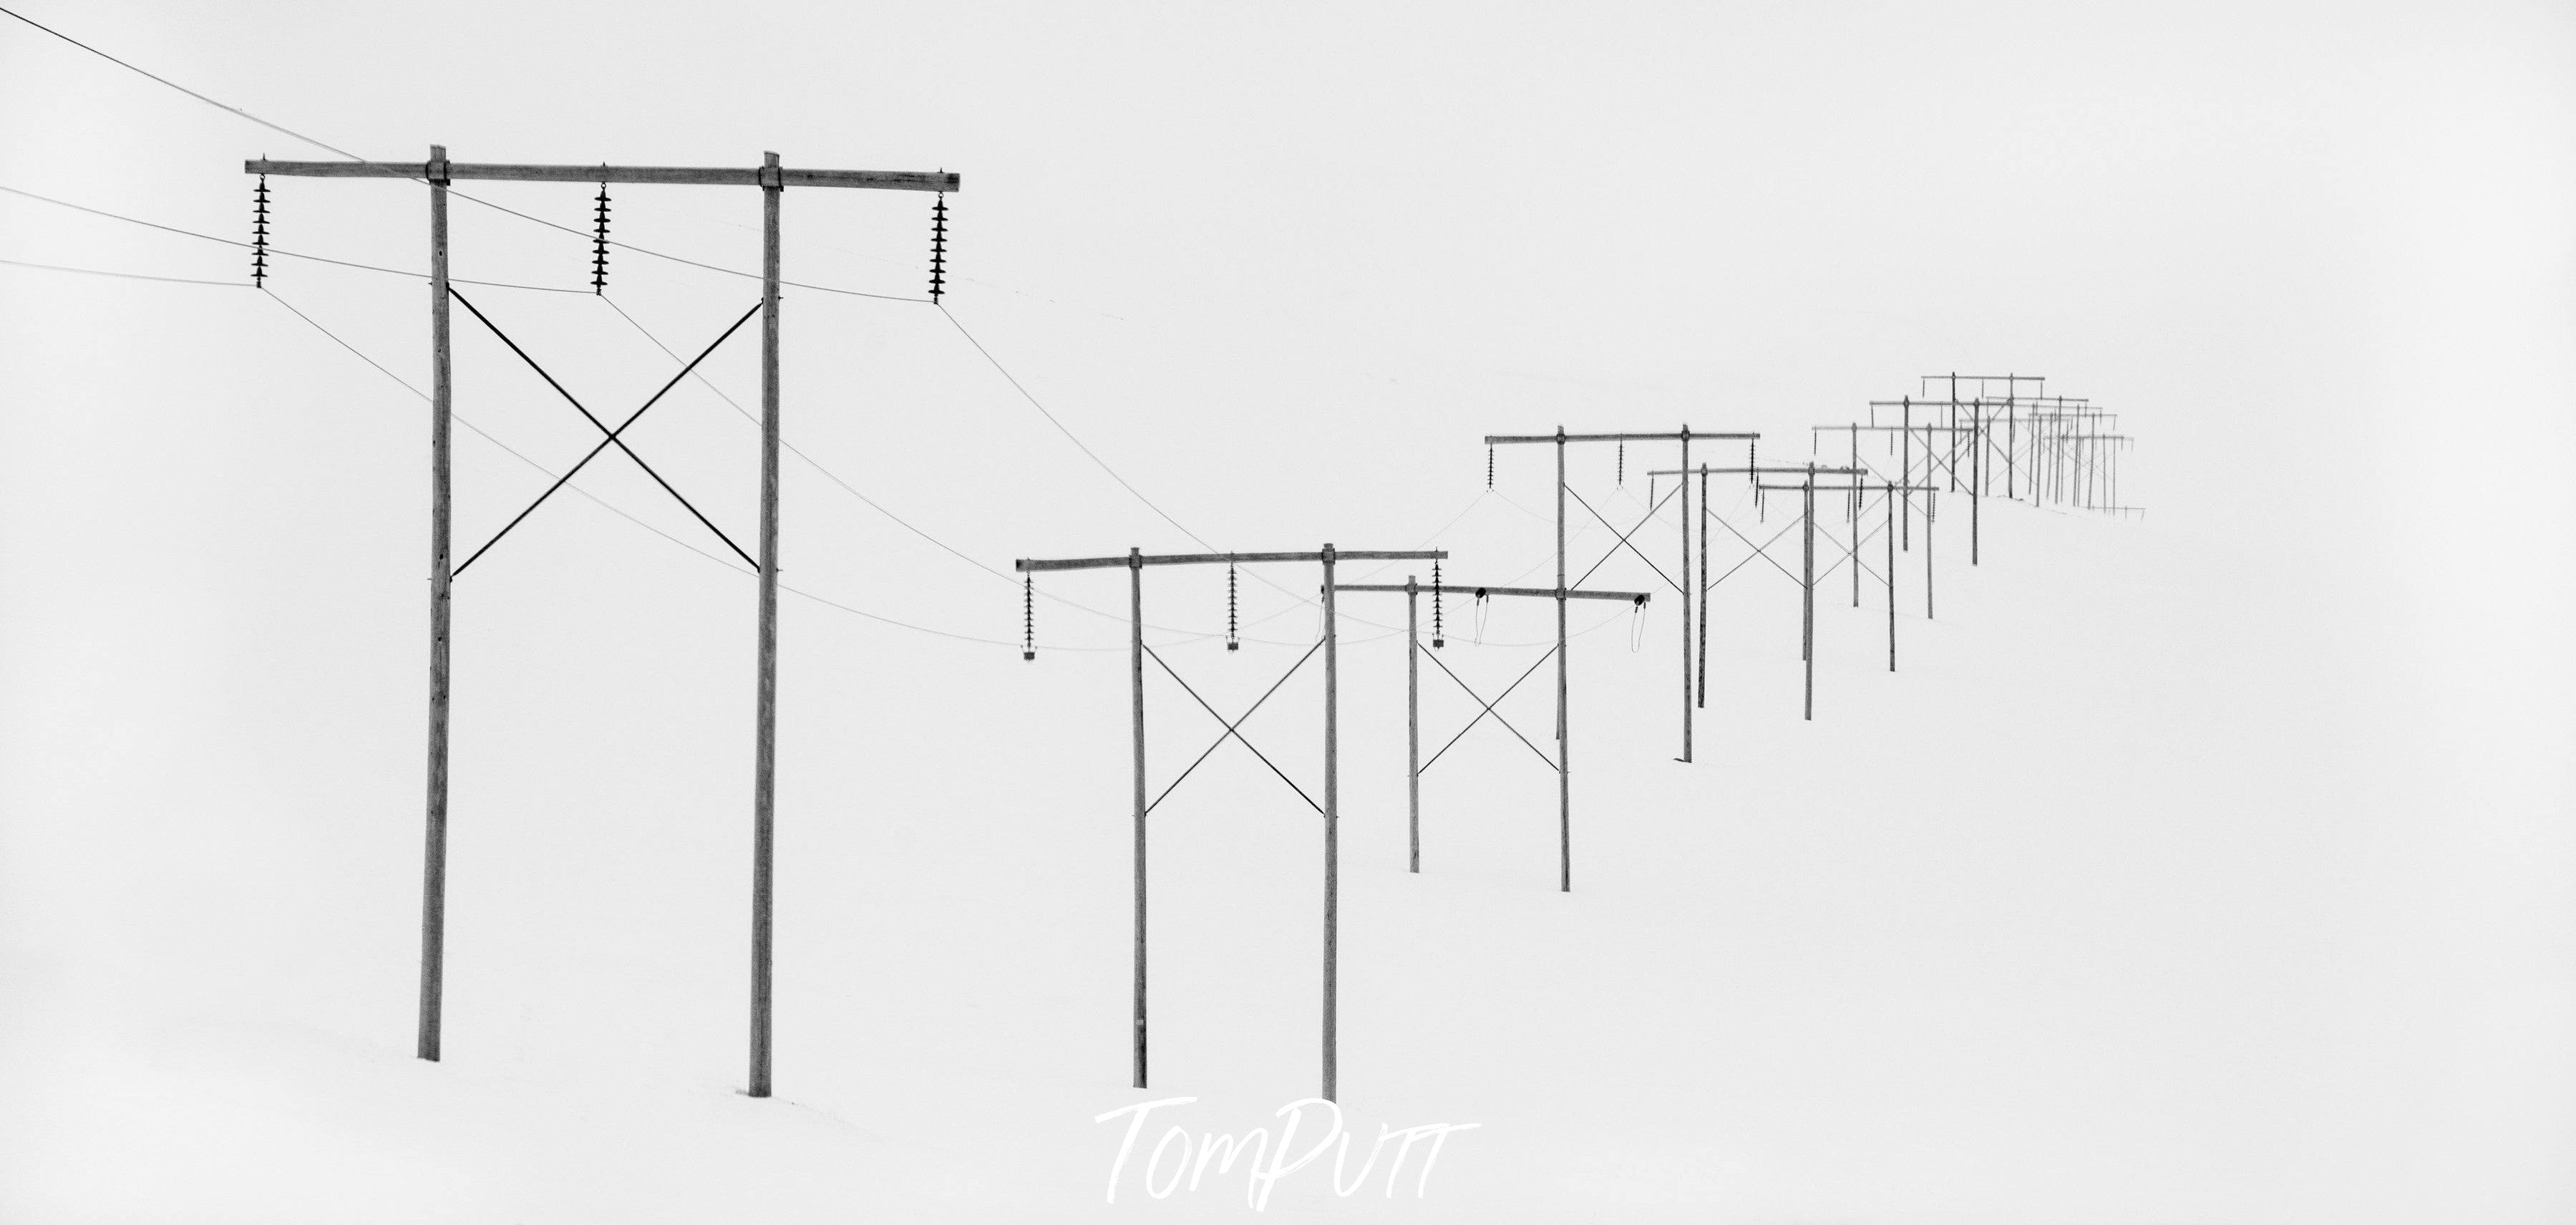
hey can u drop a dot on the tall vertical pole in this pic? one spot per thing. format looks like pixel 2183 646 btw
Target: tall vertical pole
pixel 1976 479
pixel 1412 726
pixel 1857 505
pixel 1332 826
pixel 1686 597
pixel 433 886
pixel 1136 684
pixel 1703 582
pixel 1564 764
pixel 1931 506
pixel 1891 580
pixel 1807 635
pixel 764 769
pixel 1950 444
pixel 1905 474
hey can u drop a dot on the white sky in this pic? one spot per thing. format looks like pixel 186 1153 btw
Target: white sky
pixel 2211 866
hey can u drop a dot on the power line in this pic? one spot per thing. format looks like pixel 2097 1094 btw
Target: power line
pixel 181 88
pixel 1123 482
pixel 319 259
pixel 130 276
pixel 961 328
pixel 856 293
pixel 514 453
pixel 1070 436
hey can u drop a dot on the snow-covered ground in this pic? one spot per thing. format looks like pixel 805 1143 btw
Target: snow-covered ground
pixel 2208 866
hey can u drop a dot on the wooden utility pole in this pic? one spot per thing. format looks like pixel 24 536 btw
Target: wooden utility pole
pixel 1413 699
pixel 1559 439
pixel 1136 561
pixel 442 391
pixel 1412 725
pixel 438 172
pixel 764 770
pixel 1856 487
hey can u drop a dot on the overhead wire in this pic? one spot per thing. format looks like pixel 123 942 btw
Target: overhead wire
pixel 961 329
pixel 273 250
pixel 130 276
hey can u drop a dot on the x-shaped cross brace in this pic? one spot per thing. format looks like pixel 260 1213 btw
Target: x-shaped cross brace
pixel 611 435
pixel 1231 726
pixel 1489 710
pixel 1623 542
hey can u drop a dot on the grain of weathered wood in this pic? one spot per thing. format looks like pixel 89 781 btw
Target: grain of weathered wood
pixel 733 176
pixel 764 768
pixel 433 894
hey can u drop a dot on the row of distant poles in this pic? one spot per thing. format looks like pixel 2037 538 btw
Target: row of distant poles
pixel 1978 435
pixel 1987 435
pixel 772 179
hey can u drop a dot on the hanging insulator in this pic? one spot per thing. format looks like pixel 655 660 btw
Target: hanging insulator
pixel 1623 463
pixel 939 247
pixel 1028 617
pixel 1753 463
pixel 1489 467
pixel 1650 489
pixel 259 234
pixel 599 244
pixel 1231 642
pixel 1437 639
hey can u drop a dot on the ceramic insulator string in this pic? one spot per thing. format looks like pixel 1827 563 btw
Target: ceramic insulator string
pixel 939 252
pixel 259 233
pixel 1028 616
pixel 1439 639
pixel 1489 467
pixel 599 245
pixel 1231 642
pixel 1623 463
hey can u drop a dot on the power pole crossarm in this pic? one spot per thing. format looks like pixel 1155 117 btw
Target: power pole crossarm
pixel 1545 593
pixel 1026 564
pixel 1497 439
pixel 730 176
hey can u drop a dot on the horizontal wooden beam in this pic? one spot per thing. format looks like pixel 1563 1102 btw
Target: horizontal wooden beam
pixel 1705 470
pixel 1902 429
pixel 1864 488
pixel 746 176
pixel 1190 559
pixel 1633 597
pixel 1493 439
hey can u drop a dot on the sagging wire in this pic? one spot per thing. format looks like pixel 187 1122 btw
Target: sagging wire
pixel 1637 626
pixel 1484 604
